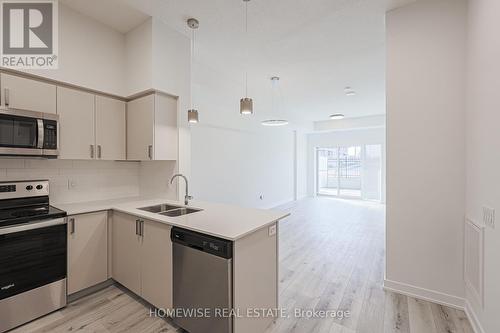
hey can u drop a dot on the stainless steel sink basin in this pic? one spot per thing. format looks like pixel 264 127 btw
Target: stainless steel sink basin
pixel 159 208
pixel 180 211
pixel 170 210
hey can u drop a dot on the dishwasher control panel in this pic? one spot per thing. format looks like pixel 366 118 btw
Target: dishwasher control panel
pixel 202 242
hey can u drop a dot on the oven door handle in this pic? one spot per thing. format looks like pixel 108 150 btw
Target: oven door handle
pixel 41 133
pixel 32 226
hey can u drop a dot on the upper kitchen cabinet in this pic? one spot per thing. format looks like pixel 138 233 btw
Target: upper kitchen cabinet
pixel 110 127
pixel 91 127
pixel 152 132
pixel 27 94
pixel 76 123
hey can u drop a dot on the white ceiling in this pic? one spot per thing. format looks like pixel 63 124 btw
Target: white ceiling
pixel 114 13
pixel 317 47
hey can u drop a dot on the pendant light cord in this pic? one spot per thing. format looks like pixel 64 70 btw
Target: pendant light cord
pixel 191 70
pixel 246 49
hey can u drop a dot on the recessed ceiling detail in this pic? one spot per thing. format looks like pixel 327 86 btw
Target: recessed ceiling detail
pixel 349 91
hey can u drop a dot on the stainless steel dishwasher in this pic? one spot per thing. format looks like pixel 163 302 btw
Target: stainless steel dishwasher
pixel 202 284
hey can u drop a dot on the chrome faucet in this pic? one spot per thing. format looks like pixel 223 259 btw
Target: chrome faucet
pixel 187 197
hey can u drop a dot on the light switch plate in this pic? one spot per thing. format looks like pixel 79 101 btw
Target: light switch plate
pixel 489 217
pixel 272 230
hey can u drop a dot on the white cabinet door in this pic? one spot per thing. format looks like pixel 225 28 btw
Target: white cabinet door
pixel 87 251
pixel 27 94
pixel 156 270
pixel 76 124
pixel 140 132
pixel 110 126
pixel 166 140
pixel 126 252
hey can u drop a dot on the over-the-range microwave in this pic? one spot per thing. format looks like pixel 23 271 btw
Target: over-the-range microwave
pixel 28 133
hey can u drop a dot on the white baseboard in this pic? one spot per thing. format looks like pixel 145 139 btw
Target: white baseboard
pixel 425 294
pixel 473 320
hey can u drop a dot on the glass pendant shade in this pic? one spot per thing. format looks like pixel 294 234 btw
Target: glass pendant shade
pixel 246 106
pixel 193 116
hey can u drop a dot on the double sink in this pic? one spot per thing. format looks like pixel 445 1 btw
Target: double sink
pixel 170 210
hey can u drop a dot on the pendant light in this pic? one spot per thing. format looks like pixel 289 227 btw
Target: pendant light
pixel 246 103
pixel 193 118
pixel 274 122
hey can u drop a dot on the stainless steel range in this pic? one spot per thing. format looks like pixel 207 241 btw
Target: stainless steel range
pixel 32 253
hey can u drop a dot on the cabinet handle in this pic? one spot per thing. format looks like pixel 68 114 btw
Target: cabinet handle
pixel 99 151
pixel 142 228
pixel 137 227
pixel 91 151
pixel 7 97
pixel 72 226
pixel 150 152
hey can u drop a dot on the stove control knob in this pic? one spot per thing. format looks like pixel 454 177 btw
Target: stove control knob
pixel 29 187
pixel 39 187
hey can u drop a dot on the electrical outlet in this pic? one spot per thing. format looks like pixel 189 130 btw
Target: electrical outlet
pixel 489 217
pixel 272 230
pixel 72 184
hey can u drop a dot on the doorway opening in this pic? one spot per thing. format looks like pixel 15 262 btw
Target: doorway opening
pixel 350 171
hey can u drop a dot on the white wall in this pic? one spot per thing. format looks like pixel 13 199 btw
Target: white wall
pixel 483 136
pixel 342 138
pixel 95 56
pixel 76 181
pixel 171 70
pixel 90 54
pixel 139 58
pixel 236 166
pixel 425 149
pixel 301 165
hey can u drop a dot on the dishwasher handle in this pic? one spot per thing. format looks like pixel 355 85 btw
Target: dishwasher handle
pixel 210 244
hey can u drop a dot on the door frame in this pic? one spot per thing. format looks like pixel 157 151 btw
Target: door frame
pixel 362 154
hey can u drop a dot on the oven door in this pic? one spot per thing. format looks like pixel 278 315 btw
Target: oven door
pixel 20 135
pixel 32 255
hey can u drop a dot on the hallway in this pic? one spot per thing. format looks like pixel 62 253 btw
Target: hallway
pixel 332 258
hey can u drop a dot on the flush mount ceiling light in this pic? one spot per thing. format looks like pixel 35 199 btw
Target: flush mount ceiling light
pixel 349 91
pixel 193 118
pixel 337 116
pixel 246 103
pixel 274 122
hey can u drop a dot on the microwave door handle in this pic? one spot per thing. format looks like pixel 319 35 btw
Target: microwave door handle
pixel 6 94
pixel 40 133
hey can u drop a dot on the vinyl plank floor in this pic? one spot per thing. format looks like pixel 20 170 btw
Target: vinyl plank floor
pixel 331 258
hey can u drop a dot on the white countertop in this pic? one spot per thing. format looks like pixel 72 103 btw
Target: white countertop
pixel 220 220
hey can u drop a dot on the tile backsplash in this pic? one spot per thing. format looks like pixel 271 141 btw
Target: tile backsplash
pixel 75 180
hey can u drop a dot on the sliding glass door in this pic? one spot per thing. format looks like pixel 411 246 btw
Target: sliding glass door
pixel 349 171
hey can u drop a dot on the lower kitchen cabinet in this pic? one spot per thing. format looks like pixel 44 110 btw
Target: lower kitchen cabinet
pixel 87 250
pixel 142 258
pixel 126 248
pixel 156 269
